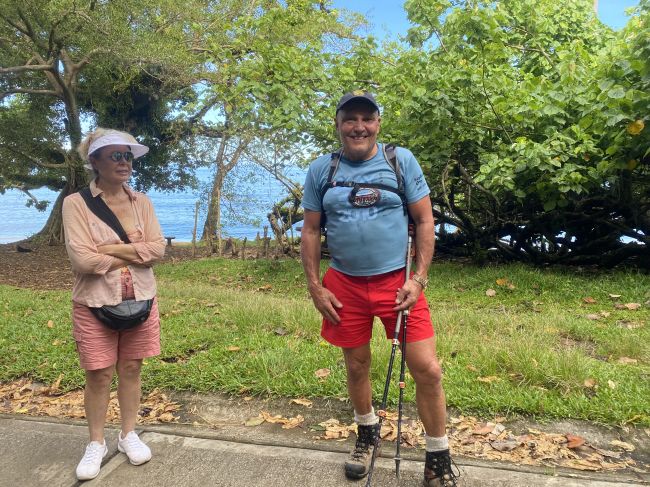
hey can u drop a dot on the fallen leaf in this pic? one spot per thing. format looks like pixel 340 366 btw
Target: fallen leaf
pixel 605 314
pixel 489 379
pixel 574 441
pixel 589 300
pixel 322 373
pixel 632 306
pixel 502 282
pixel 627 361
pixel 280 331
pixel 511 286
pixel 293 422
pixel 256 421
pixel 611 384
pixel 592 317
pixel 623 445
pixel 50 324
pixel 507 445
pixel 55 385
pixel 302 402
pixel 590 383
pixel 615 296
pixel 490 293
pixel 265 287
pixel 483 429
pixel 472 368
pixel 233 348
pixel 166 418
pixel 607 453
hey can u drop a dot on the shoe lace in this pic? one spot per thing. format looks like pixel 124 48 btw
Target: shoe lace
pixel 93 452
pixel 133 441
pixel 443 468
pixel 365 438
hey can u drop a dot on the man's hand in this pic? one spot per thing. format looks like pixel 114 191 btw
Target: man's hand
pixel 407 295
pixel 326 303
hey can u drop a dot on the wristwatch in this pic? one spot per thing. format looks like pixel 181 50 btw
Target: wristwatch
pixel 420 280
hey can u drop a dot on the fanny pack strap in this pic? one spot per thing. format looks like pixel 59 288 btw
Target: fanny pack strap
pixel 99 207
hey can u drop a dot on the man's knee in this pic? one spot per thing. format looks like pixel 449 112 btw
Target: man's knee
pixel 428 373
pixel 358 368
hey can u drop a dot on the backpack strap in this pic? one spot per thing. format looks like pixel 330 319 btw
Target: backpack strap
pixel 334 165
pixel 390 154
pixel 99 207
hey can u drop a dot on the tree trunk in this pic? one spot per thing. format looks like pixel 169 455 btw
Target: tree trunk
pixel 52 231
pixel 212 225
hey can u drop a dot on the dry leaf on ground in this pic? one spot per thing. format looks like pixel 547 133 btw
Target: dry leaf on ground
pixel 322 373
pixel 302 402
pixel 627 361
pixel 491 293
pixel 574 441
pixel 623 445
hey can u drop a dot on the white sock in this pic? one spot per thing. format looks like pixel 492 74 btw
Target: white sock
pixel 437 444
pixel 366 419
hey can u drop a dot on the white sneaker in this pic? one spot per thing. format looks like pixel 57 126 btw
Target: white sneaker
pixel 137 451
pixel 89 465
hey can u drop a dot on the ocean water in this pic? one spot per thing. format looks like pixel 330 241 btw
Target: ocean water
pixel 243 213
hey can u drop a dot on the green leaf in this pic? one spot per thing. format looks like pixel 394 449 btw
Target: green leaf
pixel 616 92
pixel 605 84
pixel 550 205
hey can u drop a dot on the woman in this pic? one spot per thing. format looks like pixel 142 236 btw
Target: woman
pixel 107 271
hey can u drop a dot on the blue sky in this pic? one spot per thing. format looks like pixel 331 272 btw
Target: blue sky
pixel 388 17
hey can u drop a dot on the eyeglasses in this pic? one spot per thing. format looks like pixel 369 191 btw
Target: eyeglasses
pixel 117 156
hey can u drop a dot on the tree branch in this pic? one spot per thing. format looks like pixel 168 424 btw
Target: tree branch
pixel 29 92
pixel 27 67
pixel 32 159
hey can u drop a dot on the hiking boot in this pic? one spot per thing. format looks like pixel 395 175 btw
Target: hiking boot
pixel 137 451
pixel 438 470
pixel 89 465
pixel 357 466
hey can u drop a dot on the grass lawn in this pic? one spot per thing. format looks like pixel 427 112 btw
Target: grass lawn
pixel 537 347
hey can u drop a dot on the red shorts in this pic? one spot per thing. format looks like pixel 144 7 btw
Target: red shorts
pixel 363 298
pixel 100 347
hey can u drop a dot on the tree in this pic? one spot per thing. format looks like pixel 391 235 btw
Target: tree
pixel 62 61
pixel 263 72
pixel 523 115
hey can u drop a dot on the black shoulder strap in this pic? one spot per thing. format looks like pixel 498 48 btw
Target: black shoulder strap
pixel 390 154
pixel 104 213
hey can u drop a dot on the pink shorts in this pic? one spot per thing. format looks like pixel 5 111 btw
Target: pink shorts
pixel 100 347
pixel 363 298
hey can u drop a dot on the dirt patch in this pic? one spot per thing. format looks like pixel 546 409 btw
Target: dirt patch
pixel 48 267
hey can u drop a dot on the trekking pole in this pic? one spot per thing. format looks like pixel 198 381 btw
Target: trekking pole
pixel 402 385
pixel 384 399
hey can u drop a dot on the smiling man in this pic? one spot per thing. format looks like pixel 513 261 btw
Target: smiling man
pixel 364 195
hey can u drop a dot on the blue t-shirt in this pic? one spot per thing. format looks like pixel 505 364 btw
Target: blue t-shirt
pixel 369 237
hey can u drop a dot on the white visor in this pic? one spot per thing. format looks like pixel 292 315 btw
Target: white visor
pixel 119 139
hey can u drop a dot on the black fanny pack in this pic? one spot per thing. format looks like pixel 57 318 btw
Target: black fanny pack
pixel 129 313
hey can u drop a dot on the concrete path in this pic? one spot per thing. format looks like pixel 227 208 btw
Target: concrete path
pixel 34 452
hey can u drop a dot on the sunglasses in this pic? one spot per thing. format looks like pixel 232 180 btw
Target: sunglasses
pixel 117 156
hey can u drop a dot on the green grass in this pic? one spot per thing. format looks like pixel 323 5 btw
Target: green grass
pixel 531 343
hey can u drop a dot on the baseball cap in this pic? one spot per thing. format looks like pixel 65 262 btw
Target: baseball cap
pixel 357 95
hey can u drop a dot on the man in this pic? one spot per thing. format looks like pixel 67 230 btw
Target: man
pixel 367 239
